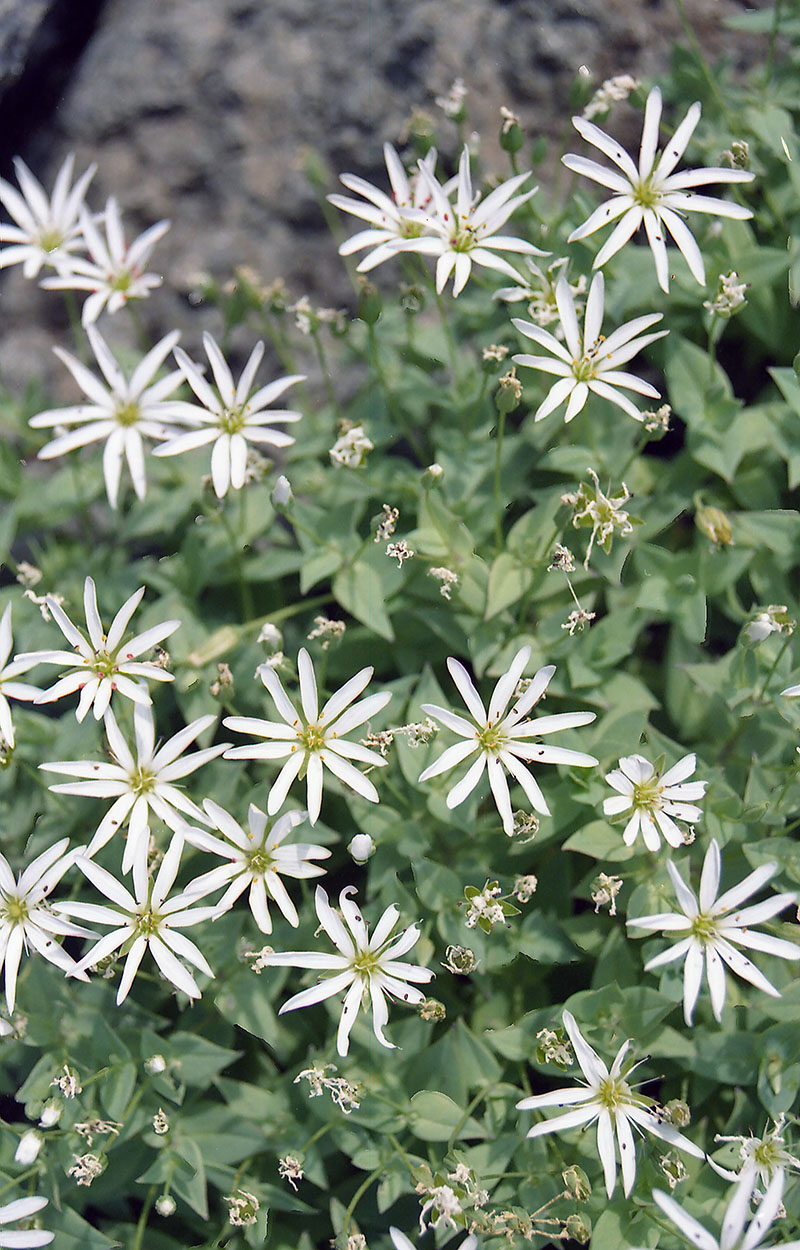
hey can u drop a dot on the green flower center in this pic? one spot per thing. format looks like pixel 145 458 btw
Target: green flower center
pixel 646 195
pixel 411 229
pixel 259 862
pixel 127 413
pixel 491 739
pixel 768 1154
pixel 122 281
pixel 312 737
pixel 366 963
pixel 104 664
pixel 16 910
pixel 147 923
pixel 50 240
pixel 704 927
pixel 232 420
pixel 464 238
pixel 613 1093
pixel 647 794
pixel 142 781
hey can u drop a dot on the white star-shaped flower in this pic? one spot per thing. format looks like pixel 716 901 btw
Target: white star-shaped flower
pixel 257 859
pixel 767 1154
pixel 464 233
pixel 23 1209
pixel 713 925
pixel 503 740
pixel 10 688
pixel 115 271
pixel 101 662
pixel 392 218
pixel 312 739
pixel 733 1234
pixel 141 784
pixel 144 919
pixel 121 412
pixel 652 195
pixel 401 1242
pixel 27 918
pixel 589 362
pixel 230 417
pixel 368 968
pixel 607 1097
pixel 653 800
pixel 47 230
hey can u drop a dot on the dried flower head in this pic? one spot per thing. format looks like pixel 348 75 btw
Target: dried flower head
pixel 604 513
pixel 563 561
pixel 729 297
pixel 387 523
pixel 290 1169
pixel 459 960
pixel 328 630
pixel 85 1169
pixel 243 1208
pixel 399 551
pixel 351 448
pixel 605 889
pixel 447 580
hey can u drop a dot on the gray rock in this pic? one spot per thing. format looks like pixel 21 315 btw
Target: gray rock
pixel 207 111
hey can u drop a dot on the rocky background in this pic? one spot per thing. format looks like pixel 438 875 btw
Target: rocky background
pixel 206 112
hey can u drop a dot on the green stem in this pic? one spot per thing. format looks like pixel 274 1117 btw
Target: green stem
pixel 374 1175
pixel 498 510
pixel 475 1102
pixel 773 39
pixel 245 592
pixel 326 374
pixel 141 1226
pixel 773 666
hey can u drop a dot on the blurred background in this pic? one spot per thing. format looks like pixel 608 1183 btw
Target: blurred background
pixel 233 117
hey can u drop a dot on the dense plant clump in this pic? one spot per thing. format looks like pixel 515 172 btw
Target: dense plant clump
pixel 469 687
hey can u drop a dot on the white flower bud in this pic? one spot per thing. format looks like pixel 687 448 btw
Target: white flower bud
pixel 51 1113
pixel 282 495
pixel 361 847
pixel 165 1205
pixel 271 636
pixel 155 1065
pixel 30 1144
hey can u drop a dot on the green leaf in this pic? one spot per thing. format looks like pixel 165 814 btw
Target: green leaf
pixel 359 590
pixel 600 841
pixel 435 1117
pixel 508 581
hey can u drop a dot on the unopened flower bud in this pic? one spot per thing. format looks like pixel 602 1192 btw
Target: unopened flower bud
pixel 28 1147
pixel 155 1065
pixel 576 1182
pixel 282 497
pixel 578 1227
pixel 50 1113
pixel 509 393
pixel 370 302
pixel 511 136
pixel 715 525
pixel 361 847
pixel 165 1204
